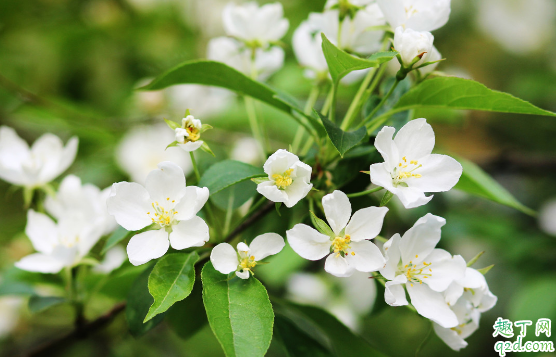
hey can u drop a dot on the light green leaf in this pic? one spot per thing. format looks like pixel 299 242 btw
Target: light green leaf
pixel 172 124
pixel 139 301
pixel 206 127
pixel 172 144
pixel 485 269
pixel 116 237
pixel 41 303
pixel 477 182
pixel 16 288
pixel 475 258
pixel 343 141
pixel 187 317
pixel 459 93
pixel 386 198
pixel 227 173
pixel 321 225
pixel 171 280
pixel 207 148
pixel 341 63
pixel 258 180
pixel 239 313
pixel 218 74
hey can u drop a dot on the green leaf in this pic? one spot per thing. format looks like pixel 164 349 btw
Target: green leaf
pixel 485 269
pixel 386 198
pixel 321 225
pixel 459 93
pixel 296 342
pixel 172 124
pixel 206 127
pixel 119 234
pixel 139 301
pixel 171 280
pixel 16 288
pixel 343 141
pixel 172 144
pixel 341 63
pixel 227 173
pixel 477 182
pixel 187 317
pixel 239 313
pixel 218 74
pixel 41 303
pixel 475 258
pixel 258 180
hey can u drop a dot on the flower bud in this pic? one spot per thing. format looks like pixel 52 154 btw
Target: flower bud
pixel 411 44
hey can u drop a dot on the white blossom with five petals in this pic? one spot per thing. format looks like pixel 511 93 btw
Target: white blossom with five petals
pixel 289 179
pixel 426 272
pixel 419 15
pixel 167 203
pixel 225 259
pixel 36 166
pixel 348 247
pixel 409 168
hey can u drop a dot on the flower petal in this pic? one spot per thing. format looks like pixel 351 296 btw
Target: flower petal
pixel 146 246
pixel 191 145
pixel 472 279
pixel 387 147
pixel 40 263
pixel 266 244
pixel 453 293
pixel 129 204
pixel 450 337
pixel 189 205
pixel 308 242
pixel 224 258
pixel 167 183
pixel 113 259
pixel 271 191
pixel 366 223
pixel 367 257
pixel 439 173
pixel 338 266
pixel 337 210
pixel 431 305
pixel 190 233
pixel 243 274
pixel 412 197
pixel 415 139
pixel 42 232
pixel 279 162
pixel 420 240
pixel 394 294
pixel 445 269
pixel 392 254
pixel 296 192
pixel 380 176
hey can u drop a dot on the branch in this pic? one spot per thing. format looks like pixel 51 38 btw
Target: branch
pixel 53 347
pixel 258 215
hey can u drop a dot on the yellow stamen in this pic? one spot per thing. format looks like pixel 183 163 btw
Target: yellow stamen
pixel 284 180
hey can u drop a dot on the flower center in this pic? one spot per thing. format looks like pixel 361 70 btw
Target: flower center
pixel 340 246
pixel 247 263
pixel 415 273
pixel 410 11
pixel 161 216
pixel 284 180
pixel 193 132
pixel 404 171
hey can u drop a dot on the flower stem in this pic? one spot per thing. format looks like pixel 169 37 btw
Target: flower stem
pixel 384 99
pixel 364 193
pixel 207 207
pixel 254 123
pixel 229 214
pixel 357 102
pixel 313 96
pixel 195 169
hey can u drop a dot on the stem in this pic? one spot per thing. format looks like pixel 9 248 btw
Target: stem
pixel 384 99
pixel 364 193
pixel 207 204
pixel 69 285
pixel 197 175
pixel 313 96
pixel 229 214
pixel 328 102
pixel 254 123
pixel 252 209
pixel 427 339
pixel 357 102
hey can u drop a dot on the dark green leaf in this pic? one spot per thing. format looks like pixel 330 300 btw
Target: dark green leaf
pixel 343 141
pixel 296 342
pixel 139 301
pixel 239 193
pixel 187 317
pixel 239 313
pixel 397 120
pixel 227 173
pixel 459 93
pixel 170 281
pixel 16 288
pixel 41 303
pixel 341 63
pixel 477 182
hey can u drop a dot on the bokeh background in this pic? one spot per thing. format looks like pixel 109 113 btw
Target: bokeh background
pixel 71 67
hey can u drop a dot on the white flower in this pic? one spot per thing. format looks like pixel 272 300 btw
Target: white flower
pixel 234 54
pixel 307 46
pixel 86 199
pixel 36 166
pixel 207 101
pixel 410 44
pixel 61 244
pixel 255 25
pixel 143 147
pixel 426 272
pixel 246 150
pixel 331 3
pixel 519 26
pixel 113 259
pixel 348 247
pixel 547 217
pixel 468 298
pixel 420 15
pixel 189 134
pixel 289 178
pixel 434 56
pixel 166 202
pixel 225 259
pixel 9 313
pixel 409 169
